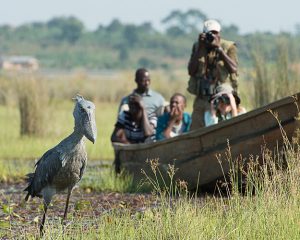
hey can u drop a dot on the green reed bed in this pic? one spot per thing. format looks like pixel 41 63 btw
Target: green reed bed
pixel 238 218
pixel 104 179
pixel 269 208
pixel 58 125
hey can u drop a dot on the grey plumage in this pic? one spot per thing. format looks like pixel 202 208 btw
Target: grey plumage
pixel 62 167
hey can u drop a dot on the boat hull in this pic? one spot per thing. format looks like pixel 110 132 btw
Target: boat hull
pixel 204 155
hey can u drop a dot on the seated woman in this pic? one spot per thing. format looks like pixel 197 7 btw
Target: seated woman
pixel 133 125
pixel 225 104
pixel 174 122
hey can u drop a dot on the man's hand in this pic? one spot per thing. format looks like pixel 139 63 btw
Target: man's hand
pixel 201 38
pixel 216 43
pixel 201 41
pixel 175 113
pixel 137 99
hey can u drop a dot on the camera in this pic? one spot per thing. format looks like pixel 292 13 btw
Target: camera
pixel 209 37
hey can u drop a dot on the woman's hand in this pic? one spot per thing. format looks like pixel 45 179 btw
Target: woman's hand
pixel 232 104
pixel 213 110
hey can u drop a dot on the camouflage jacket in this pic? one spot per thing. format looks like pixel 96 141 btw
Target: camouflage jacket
pixel 212 69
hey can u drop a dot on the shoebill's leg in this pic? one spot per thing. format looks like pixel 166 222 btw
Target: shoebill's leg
pixel 46 204
pixel 67 203
pixel 47 194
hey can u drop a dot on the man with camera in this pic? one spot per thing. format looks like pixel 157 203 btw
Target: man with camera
pixel 213 62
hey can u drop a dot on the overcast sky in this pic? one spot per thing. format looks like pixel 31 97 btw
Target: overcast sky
pixel 249 16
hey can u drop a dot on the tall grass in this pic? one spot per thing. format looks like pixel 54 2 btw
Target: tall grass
pixel 263 82
pixel 104 179
pixel 59 124
pixel 273 81
pixel 51 96
pixel 271 211
pixel 269 206
pixel 282 71
pixel 45 105
pixel 32 102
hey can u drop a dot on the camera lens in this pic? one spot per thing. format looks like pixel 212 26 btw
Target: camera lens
pixel 209 37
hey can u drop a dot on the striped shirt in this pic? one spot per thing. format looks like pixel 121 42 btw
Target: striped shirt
pixel 134 131
pixel 154 103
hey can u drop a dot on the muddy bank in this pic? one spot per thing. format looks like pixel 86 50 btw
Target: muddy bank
pixel 17 216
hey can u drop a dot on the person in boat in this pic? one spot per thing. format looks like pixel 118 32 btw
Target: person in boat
pixel 213 61
pixel 133 125
pixel 174 122
pixel 153 102
pixel 225 104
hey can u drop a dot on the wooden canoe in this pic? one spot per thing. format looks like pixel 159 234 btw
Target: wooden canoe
pixel 194 153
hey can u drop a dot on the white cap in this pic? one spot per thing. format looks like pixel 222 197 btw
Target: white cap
pixel 224 88
pixel 211 25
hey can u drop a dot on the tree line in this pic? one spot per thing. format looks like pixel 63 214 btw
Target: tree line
pixel 65 43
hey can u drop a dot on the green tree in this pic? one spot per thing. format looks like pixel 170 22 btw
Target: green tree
pixel 175 31
pixel 146 28
pixel 131 35
pixel 66 28
pixel 114 26
pixel 123 53
pixel 187 21
pixel 231 30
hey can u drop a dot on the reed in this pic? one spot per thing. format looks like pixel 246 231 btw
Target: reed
pixel 32 103
pixel 274 80
pixel 269 207
pixel 51 106
pixel 263 82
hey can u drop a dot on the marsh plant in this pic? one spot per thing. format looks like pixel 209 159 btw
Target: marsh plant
pixel 265 203
pixel 163 181
pixel 32 102
pixel 275 80
pixel 268 206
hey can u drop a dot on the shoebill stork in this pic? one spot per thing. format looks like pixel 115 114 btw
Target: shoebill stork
pixel 62 167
